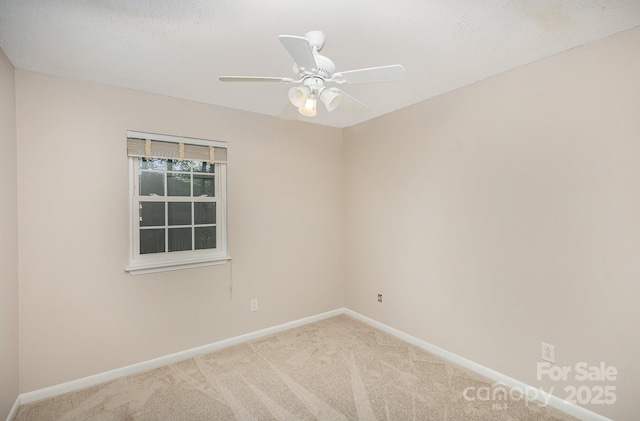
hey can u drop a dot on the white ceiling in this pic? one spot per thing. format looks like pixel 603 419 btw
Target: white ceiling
pixel 180 47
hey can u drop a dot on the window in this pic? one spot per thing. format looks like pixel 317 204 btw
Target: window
pixel 178 202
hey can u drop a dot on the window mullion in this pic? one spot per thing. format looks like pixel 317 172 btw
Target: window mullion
pixel 193 220
pixel 166 211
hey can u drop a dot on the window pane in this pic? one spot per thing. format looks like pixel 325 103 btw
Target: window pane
pixel 179 239
pixel 152 241
pixel 151 214
pixel 178 184
pixel 175 165
pixel 203 167
pixel 152 164
pixel 205 237
pixel 203 185
pixel 151 183
pixel 204 213
pixel 179 213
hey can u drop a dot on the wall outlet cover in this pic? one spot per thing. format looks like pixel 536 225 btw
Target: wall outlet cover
pixel 548 352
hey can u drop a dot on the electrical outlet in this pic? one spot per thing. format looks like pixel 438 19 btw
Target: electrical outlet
pixel 548 352
pixel 254 304
pixel 379 298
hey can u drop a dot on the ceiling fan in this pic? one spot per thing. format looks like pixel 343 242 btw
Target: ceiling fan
pixel 313 71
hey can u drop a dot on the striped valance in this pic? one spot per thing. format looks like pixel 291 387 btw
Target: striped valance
pixel 149 145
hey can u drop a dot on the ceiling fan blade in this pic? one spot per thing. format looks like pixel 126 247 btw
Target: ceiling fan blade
pixel 350 103
pixel 300 50
pixel 254 79
pixel 391 73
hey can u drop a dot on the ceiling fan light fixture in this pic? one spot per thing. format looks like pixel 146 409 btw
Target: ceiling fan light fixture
pixel 313 71
pixel 330 98
pixel 299 95
pixel 309 108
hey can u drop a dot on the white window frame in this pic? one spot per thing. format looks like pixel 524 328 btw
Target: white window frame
pixel 165 261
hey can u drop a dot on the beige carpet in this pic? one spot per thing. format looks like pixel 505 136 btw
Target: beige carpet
pixel 335 369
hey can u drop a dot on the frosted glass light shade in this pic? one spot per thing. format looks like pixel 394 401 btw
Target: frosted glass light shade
pixel 299 95
pixel 330 99
pixel 309 108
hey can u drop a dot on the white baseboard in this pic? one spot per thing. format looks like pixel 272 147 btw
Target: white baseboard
pixel 554 401
pixel 14 409
pixel 96 379
pixel 47 392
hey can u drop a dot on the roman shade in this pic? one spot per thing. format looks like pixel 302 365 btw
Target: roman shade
pixel 150 145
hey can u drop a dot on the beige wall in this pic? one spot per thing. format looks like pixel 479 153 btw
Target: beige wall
pixel 8 240
pixel 507 213
pixel 80 313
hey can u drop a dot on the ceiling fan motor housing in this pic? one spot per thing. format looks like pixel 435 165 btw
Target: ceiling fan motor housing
pixel 325 68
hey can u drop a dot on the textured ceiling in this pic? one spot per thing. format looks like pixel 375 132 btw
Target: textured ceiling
pixel 180 47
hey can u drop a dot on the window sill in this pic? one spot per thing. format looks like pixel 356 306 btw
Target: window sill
pixel 145 268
